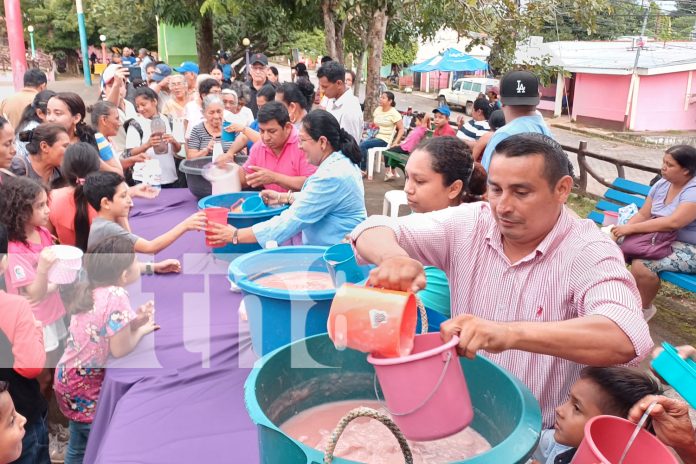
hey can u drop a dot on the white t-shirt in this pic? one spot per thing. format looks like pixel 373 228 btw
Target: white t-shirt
pixel 166 160
pixel 118 142
pixel 194 116
pixel 244 117
pixel 347 111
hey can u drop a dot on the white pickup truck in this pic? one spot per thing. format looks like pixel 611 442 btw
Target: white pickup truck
pixel 465 91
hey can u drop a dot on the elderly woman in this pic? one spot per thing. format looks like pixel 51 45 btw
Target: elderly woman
pixel 105 120
pixel 670 205
pixel 331 202
pixel 194 108
pixel 205 135
pixel 234 112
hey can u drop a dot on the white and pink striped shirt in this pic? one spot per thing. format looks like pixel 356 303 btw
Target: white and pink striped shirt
pixel 574 272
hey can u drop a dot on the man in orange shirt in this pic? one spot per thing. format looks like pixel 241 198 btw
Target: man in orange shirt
pixel 13 106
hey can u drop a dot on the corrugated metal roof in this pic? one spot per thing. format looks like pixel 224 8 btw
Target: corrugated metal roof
pixel 615 57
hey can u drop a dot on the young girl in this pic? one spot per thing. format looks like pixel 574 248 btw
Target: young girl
pixel 70 213
pixel 146 105
pixel 33 115
pixel 25 214
pixel 422 121
pixel 103 323
pixel 599 391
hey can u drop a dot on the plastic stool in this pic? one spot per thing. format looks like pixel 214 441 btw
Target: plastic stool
pixel 392 200
pixel 371 160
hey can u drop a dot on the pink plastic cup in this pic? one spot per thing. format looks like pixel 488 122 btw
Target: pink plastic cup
pixel 606 438
pixel 214 215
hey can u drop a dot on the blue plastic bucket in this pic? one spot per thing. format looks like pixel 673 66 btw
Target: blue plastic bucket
pixel 279 316
pixel 239 220
pixel 342 265
pixel 312 372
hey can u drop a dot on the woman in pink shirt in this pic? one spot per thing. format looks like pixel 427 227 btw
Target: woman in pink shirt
pixel 422 121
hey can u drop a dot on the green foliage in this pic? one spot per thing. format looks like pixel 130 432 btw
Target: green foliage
pixel 400 53
pixel 310 43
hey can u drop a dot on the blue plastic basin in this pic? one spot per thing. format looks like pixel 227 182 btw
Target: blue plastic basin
pixel 312 372
pixel 678 372
pixel 279 316
pixel 239 220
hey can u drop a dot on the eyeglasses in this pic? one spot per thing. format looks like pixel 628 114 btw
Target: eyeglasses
pixel 176 84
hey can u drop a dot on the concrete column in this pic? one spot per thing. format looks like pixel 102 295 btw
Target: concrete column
pixel 15 38
pixel 560 87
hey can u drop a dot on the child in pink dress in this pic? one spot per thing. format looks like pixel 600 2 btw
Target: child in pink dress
pixel 103 323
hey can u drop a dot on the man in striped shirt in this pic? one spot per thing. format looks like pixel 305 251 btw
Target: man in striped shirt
pixel 533 288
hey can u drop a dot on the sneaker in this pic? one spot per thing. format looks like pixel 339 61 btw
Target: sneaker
pixel 648 313
pixel 389 176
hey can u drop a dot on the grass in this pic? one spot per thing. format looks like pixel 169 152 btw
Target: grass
pixel 581 205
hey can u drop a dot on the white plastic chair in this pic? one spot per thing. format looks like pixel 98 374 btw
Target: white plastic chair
pixel 371 160
pixel 392 200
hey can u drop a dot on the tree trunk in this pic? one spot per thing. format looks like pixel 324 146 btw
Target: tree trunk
pixel 375 39
pixel 205 43
pixel 358 74
pixel 327 8
pixel 340 33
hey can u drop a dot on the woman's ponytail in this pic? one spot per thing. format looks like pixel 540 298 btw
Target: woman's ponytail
pixel 349 147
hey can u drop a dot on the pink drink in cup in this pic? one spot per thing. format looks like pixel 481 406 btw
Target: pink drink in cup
pixel 218 216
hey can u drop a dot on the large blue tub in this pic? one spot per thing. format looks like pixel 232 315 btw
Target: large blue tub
pixel 279 316
pixel 312 372
pixel 238 220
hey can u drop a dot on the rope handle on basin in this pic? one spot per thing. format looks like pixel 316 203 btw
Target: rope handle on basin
pixel 448 358
pixel 371 413
pixel 423 315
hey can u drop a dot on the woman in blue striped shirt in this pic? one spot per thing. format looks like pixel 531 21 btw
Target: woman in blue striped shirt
pixel 331 202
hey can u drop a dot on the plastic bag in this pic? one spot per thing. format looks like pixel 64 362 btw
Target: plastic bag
pixel 626 213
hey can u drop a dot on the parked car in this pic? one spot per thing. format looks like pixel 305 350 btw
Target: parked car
pixel 465 91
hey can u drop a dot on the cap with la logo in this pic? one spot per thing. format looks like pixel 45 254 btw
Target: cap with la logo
pixel 519 88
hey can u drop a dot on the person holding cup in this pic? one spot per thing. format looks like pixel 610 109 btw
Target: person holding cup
pixel 208 133
pixel 331 202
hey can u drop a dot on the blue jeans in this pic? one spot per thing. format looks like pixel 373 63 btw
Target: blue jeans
pixel 366 145
pixel 35 443
pixel 79 433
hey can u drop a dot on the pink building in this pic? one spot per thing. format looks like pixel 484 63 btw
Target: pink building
pixel 604 88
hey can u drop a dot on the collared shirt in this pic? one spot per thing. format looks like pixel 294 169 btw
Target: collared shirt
pixel 346 109
pixel 291 161
pixel 522 125
pixel 575 271
pixel 13 106
pixel 330 204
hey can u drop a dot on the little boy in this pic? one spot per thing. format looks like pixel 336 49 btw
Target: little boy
pixel 107 193
pixel 599 391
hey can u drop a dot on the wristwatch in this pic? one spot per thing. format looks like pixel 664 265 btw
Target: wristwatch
pixel 235 238
pixel 149 269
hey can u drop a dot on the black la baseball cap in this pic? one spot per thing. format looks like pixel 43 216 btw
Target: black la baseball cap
pixel 259 58
pixel 519 88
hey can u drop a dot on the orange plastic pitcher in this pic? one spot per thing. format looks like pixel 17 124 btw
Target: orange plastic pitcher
pixel 216 215
pixel 373 320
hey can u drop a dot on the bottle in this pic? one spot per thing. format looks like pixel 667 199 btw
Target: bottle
pixel 159 128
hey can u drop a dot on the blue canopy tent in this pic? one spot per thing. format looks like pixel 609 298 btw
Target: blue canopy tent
pixel 452 60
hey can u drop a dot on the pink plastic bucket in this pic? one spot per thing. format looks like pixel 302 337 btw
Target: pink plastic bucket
pixel 425 392
pixel 610 218
pixel 607 436
pixel 68 263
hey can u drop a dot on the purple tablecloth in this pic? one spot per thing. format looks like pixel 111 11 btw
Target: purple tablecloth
pixel 179 397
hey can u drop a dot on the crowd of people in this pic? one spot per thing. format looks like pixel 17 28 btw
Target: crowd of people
pixel 490 244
